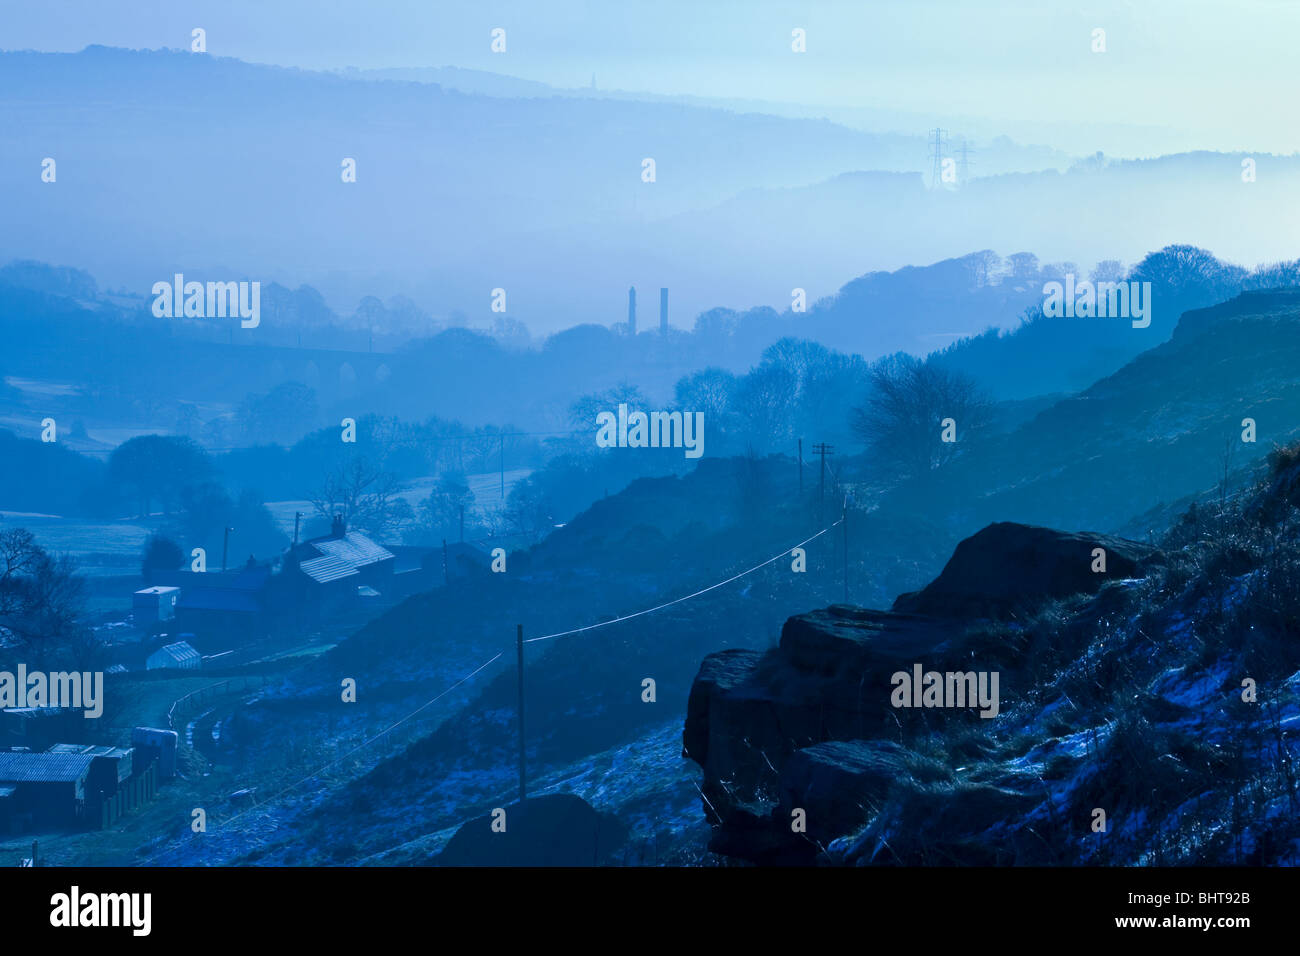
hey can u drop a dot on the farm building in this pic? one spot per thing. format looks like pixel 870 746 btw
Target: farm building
pixel 153 745
pixel 48 789
pixel 110 767
pixel 178 656
pixel 120 780
pixel 154 604
pixel 221 602
pixel 333 568
pixel 73 786
pixel 420 567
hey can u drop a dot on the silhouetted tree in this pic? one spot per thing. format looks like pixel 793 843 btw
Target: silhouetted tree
pixel 709 390
pixel 41 599
pixel 440 513
pixel 160 553
pixel 1108 270
pixel 366 494
pixel 765 400
pixel 207 510
pixel 908 401
pixel 583 412
pixel 158 468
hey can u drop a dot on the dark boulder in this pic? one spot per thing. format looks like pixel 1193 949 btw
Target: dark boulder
pixel 811 724
pixel 1007 567
pixel 558 829
pixel 833 789
pixel 761 840
pixel 840 784
pixel 830 679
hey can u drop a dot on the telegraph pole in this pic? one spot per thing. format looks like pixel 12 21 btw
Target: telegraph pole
pixel 519 645
pixel 225 546
pixel 297 516
pixel 823 449
pixel 844 517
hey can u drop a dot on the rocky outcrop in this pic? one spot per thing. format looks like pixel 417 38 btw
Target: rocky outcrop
pixel 840 783
pixel 810 726
pixel 829 679
pixel 1008 566
pixel 750 715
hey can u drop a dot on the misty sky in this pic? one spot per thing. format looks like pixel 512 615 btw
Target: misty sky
pixel 1213 72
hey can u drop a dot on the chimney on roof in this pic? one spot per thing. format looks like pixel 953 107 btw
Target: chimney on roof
pixel 339 527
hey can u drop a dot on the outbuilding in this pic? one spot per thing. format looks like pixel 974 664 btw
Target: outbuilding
pixel 151 605
pixel 49 788
pixel 178 656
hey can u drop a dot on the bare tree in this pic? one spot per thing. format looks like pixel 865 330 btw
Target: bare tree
pixel 157 469
pixel 983 266
pixel 448 509
pixel 366 494
pixel 766 400
pixel 902 420
pixel 41 597
pixel 583 412
pixel 709 391
pixel 1023 265
pixel 1108 270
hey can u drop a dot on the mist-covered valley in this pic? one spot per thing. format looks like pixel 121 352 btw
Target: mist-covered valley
pixel 448 467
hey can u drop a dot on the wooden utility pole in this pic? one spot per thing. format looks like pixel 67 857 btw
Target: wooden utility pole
pixel 519 645
pixel 823 449
pixel 297 517
pixel 225 546
pixel 844 517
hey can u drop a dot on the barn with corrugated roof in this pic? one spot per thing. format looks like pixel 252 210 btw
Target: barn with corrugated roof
pixel 337 567
pixel 47 788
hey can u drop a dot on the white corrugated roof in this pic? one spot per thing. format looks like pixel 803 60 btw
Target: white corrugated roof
pixel 341 557
pixel 327 568
pixel 37 768
pixel 356 549
pixel 180 652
